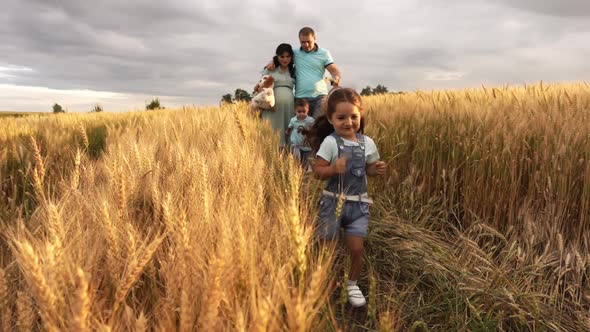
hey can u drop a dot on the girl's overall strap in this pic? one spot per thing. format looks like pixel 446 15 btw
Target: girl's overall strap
pixel 361 139
pixel 340 147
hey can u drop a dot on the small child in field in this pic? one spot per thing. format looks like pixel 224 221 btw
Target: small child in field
pixel 344 158
pixel 297 129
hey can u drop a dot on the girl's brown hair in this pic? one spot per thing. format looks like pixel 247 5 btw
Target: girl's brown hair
pixel 322 128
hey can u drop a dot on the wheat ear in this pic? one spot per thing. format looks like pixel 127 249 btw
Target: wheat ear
pixel 39 171
pixel 134 269
pixel 36 279
pixel 82 305
pixel 76 174
pixel 5 311
pixel 141 323
pixel 24 311
pixel 84 136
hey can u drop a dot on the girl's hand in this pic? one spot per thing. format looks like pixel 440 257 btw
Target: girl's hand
pixel 380 168
pixel 376 168
pixel 340 166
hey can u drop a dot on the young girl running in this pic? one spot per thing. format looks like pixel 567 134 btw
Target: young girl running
pixel 344 158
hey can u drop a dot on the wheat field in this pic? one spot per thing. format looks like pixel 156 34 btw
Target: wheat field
pixel 192 219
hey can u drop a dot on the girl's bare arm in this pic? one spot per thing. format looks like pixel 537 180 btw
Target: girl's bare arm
pixel 323 170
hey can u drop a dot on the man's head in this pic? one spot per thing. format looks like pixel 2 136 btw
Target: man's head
pixel 307 39
pixel 301 108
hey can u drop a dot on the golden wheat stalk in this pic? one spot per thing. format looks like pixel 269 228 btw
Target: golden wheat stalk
pixel 186 306
pixel 205 189
pixel 82 305
pixel 39 164
pixel 39 171
pixel 155 193
pixel 134 269
pixel 122 195
pixel 84 136
pixel 141 323
pixel 167 214
pixel 24 312
pixel 55 226
pixel 131 243
pixel 298 230
pixel 137 160
pixel 339 205
pixel 76 174
pixel 315 296
pixel 113 250
pixel 5 311
pixel 210 311
pixel 36 280
pixel 239 123
pixel 262 313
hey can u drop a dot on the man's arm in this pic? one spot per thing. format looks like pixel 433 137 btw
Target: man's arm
pixel 335 72
pixel 270 66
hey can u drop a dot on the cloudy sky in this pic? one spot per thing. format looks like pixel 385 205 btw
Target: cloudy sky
pixel 123 53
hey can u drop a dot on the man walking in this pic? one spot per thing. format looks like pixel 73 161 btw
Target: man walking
pixel 311 62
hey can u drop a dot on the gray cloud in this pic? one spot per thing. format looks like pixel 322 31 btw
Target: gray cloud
pixel 565 8
pixel 199 50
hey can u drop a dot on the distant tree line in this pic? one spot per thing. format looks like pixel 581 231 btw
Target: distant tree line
pixel 239 95
pixel 378 90
pixel 57 108
pixel 153 105
pixel 242 95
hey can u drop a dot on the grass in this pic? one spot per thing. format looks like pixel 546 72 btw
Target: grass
pixel 194 220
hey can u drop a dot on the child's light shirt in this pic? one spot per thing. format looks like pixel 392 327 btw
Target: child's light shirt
pixel 329 149
pixel 296 137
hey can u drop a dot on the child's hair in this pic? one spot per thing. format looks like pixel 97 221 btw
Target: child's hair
pixel 301 102
pixel 322 128
pixel 282 48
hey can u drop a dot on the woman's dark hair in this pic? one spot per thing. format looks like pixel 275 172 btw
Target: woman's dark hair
pixel 322 128
pixel 282 48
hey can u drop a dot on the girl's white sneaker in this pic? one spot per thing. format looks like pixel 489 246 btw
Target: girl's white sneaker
pixel 355 296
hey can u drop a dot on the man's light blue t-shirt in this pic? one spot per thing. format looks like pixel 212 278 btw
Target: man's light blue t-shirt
pixel 310 68
pixel 296 137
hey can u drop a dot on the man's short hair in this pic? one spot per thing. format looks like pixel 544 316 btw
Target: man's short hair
pixel 306 31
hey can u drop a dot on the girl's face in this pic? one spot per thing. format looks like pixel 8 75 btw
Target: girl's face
pixel 284 59
pixel 346 120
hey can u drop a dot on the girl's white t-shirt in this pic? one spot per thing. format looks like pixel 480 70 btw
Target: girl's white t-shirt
pixel 329 149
